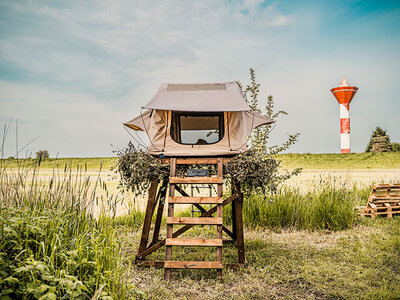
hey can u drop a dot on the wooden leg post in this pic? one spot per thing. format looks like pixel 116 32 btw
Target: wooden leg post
pixel 233 216
pixel 160 210
pixel 147 218
pixel 170 229
pixel 219 215
pixel 239 225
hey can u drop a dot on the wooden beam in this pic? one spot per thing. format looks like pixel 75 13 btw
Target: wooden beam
pixel 194 242
pixel 196 160
pixel 160 264
pixel 220 170
pixel 193 264
pixel 239 226
pixel 195 180
pixel 148 215
pixel 168 250
pixel 194 221
pixel 195 200
pixel 160 210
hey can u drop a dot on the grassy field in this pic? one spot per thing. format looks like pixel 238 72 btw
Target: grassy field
pixel 330 161
pixel 300 244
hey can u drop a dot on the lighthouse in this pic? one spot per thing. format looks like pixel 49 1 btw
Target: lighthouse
pixel 344 94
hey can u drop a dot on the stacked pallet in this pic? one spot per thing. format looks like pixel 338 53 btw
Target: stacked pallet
pixel 384 200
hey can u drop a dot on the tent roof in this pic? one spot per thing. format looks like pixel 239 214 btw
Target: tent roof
pixel 221 96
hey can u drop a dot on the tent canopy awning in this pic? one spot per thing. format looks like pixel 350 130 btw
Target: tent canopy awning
pixel 206 97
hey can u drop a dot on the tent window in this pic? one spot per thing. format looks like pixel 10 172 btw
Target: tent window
pixel 191 128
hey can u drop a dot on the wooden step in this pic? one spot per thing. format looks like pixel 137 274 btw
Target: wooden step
pixel 196 200
pixel 199 180
pixel 194 242
pixel 193 265
pixel 194 221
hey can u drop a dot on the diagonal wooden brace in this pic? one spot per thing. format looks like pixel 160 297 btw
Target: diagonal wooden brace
pixel 202 209
pixel 148 251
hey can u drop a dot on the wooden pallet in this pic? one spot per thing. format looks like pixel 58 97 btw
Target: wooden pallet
pixel 203 220
pixel 384 200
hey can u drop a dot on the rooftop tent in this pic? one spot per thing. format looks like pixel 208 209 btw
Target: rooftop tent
pixel 197 120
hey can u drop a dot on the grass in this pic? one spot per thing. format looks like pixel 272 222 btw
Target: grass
pixel 327 207
pixel 360 262
pixel 341 161
pixel 298 245
pixel 51 246
pixel 330 161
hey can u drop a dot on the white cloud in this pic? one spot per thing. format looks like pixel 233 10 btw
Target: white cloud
pixel 95 63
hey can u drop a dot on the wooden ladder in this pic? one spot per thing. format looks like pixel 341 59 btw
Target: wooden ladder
pixel 209 220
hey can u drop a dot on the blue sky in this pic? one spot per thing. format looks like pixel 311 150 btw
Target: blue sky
pixel 71 72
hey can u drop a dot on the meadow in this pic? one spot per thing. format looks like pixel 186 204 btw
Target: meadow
pixel 300 243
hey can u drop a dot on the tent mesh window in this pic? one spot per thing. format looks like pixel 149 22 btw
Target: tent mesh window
pixel 192 128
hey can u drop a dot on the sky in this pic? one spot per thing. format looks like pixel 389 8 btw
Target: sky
pixel 71 72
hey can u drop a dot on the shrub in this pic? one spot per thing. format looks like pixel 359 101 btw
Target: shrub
pixel 42 154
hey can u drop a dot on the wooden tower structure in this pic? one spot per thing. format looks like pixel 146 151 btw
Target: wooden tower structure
pixel 196 125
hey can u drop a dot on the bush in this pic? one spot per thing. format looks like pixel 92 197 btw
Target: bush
pixel 42 154
pixel 396 147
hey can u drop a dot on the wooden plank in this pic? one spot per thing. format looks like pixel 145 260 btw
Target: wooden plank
pixel 197 180
pixel 148 215
pixel 160 211
pixel 385 186
pixel 193 264
pixel 160 264
pixel 194 221
pixel 196 160
pixel 194 242
pixel 170 230
pixel 185 228
pixel 196 200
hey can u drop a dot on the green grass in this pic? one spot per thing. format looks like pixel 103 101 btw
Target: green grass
pixel 306 161
pixel 341 161
pixel 326 207
pixel 51 246
pixel 361 262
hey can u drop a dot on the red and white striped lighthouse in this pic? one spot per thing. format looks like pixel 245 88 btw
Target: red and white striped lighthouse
pixel 344 94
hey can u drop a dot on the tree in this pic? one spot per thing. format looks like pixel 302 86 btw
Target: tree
pixel 42 154
pixel 396 147
pixel 381 140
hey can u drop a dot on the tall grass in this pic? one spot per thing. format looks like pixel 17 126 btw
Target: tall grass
pixel 51 245
pixel 329 206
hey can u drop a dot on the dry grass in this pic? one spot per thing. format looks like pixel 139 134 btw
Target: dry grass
pixel 363 262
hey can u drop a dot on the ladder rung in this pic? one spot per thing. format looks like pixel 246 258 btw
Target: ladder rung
pixel 194 221
pixel 196 180
pixel 193 264
pixel 194 242
pixel 196 200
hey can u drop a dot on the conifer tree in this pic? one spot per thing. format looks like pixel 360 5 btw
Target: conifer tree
pixel 379 141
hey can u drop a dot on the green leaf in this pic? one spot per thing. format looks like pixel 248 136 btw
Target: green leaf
pixel 12 280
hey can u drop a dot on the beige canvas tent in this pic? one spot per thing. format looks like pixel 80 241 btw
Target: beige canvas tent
pixel 210 119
